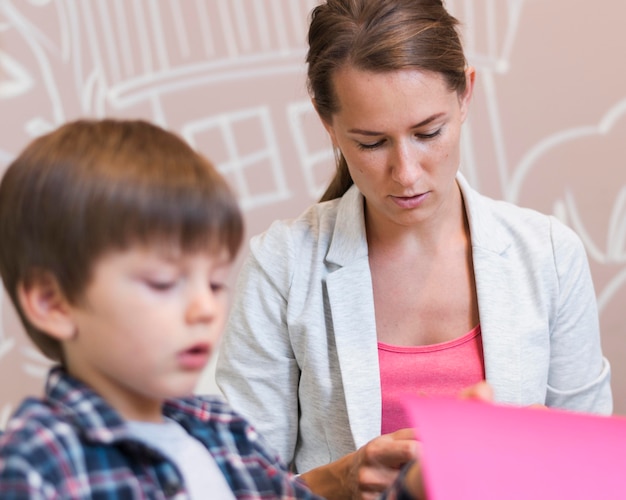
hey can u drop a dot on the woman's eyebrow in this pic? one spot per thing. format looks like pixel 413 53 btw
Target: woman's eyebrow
pixel 428 120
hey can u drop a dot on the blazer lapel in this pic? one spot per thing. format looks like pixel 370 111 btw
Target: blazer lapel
pixel 351 301
pixel 498 298
pixel 500 329
pixel 352 305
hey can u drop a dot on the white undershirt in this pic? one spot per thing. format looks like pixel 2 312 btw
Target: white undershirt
pixel 200 472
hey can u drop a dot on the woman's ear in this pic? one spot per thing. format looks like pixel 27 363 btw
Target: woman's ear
pixel 45 306
pixel 328 126
pixel 466 97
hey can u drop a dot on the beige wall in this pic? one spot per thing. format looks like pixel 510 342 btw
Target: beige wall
pixel 547 130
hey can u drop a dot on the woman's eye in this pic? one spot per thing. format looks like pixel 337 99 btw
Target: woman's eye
pixel 217 287
pixel 429 136
pixel 373 145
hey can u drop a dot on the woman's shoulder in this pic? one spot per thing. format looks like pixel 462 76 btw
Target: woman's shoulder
pixel 495 217
pixel 313 217
pixel 313 226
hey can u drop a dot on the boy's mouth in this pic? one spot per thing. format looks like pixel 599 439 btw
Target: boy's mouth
pixel 195 358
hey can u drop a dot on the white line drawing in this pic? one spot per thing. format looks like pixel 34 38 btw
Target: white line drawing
pixel 615 251
pixel 5 157
pixel 36 364
pixel 616 284
pixel 311 161
pixel 38 45
pixel 487 44
pixel 16 80
pixel 5 414
pixel 145 64
pixel 615 245
pixel 617 112
pixel 125 54
pixel 235 166
pixel 488 48
pixel 6 343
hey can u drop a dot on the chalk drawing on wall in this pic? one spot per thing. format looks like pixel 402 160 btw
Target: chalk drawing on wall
pixel 6 343
pixel 209 43
pixel 62 59
pixel 15 78
pixel 36 364
pixel 607 124
pixel 5 413
pixel 607 135
pixel 5 158
pixel 314 157
pixel 21 80
pixel 252 148
pixel 489 30
pixel 119 55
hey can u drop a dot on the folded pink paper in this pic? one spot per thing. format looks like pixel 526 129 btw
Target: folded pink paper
pixel 476 450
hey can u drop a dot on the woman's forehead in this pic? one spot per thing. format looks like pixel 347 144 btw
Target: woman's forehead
pixel 381 96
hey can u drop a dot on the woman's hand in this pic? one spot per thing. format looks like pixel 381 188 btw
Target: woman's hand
pixel 367 472
pixel 378 463
pixel 481 391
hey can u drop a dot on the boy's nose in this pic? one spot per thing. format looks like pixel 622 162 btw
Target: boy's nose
pixel 202 306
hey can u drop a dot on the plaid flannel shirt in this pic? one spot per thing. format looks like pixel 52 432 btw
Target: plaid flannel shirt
pixel 73 445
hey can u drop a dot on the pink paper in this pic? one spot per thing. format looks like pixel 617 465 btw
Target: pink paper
pixel 476 450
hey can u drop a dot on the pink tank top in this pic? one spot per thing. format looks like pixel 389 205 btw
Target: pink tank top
pixel 438 369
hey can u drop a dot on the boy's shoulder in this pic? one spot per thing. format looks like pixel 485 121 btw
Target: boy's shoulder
pixel 43 423
pixel 59 425
pixel 34 419
pixel 39 437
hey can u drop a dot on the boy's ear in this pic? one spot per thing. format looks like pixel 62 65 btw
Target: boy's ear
pixel 45 305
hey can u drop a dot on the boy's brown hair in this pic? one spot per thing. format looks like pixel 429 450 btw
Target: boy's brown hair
pixel 93 186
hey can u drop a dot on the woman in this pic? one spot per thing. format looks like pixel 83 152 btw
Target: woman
pixel 403 278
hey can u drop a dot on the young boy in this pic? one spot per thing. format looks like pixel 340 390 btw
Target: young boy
pixel 117 239
pixel 116 243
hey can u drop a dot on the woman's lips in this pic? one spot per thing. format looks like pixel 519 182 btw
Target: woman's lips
pixel 410 201
pixel 195 357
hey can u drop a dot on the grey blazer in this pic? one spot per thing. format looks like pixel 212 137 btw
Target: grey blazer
pixel 299 357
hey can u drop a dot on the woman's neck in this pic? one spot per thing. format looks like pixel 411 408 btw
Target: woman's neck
pixel 439 232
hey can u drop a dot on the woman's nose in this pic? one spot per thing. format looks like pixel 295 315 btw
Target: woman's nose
pixel 406 167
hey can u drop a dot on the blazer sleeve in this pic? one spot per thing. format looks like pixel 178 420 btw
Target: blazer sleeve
pixel 579 375
pixel 256 368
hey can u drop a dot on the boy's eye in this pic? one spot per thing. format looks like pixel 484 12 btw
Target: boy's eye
pixel 160 285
